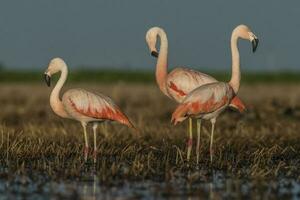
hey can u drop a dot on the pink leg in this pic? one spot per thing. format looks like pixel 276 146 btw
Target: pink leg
pixel 86 152
pixel 95 155
pixel 95 142
pixel 86 148
pixel 198 138
pixel 213 121
pixel 190 140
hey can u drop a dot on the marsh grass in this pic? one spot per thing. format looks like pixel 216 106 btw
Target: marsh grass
pixel 109 75
pixel 262 143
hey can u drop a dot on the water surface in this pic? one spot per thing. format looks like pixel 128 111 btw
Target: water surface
pixel 217 186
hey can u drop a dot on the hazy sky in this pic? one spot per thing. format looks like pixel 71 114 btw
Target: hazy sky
pixel 112 32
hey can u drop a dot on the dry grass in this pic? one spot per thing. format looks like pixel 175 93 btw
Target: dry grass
pixel 264 142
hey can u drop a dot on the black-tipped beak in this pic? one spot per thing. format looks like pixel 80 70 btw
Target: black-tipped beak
pixel 154 54
pixel 254 44
pixel 47 79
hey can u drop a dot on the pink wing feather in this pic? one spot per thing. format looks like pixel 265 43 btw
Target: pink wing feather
pixel 98 107
pixel 181 81
pixel 203 100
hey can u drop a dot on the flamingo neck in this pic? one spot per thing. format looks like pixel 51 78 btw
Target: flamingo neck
pixel 236 73
pixel 162 62
pixel 55 101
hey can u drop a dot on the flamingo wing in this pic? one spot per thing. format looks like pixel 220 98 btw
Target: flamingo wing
pixel 204 99
pixel 181 81
pixel 237 104
pixel 81 103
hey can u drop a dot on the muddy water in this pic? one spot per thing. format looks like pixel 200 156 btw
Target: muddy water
pixel 216 187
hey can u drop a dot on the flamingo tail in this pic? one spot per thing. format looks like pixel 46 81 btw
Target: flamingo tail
pixel 237 104
pixel 180 113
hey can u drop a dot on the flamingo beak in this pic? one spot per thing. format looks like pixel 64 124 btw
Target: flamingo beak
pixel 254 44
pixel 47 79
pixel 154 54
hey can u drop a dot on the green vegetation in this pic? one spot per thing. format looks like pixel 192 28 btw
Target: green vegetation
pixel 108 76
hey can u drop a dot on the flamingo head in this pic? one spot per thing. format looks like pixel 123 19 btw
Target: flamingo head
pixel 55 66
pixel 246 33
pixel 151 38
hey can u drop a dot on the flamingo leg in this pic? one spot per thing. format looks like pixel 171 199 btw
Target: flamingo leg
pixel 95 126
pixel 213 121
pixel 190 140
pixel 198 138
pixel 86 147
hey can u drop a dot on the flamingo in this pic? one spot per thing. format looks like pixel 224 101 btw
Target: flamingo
pixel 81 105
pixel 209 100
pixel 180 81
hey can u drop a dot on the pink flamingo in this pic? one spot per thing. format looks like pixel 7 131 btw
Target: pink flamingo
pixel 180 81
pixel 81 105
pixel 209 100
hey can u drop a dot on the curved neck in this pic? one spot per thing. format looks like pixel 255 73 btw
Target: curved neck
pixel 236 73
pixel 55 101
pixel 162 62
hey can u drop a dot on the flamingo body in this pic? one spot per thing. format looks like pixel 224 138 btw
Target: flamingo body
pixel 205 102
pixel 85 106
pixel 181 81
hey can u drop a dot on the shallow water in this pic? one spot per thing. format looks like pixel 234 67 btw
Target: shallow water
pixel 218 187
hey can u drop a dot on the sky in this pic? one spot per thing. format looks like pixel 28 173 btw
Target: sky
pixel 111 33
